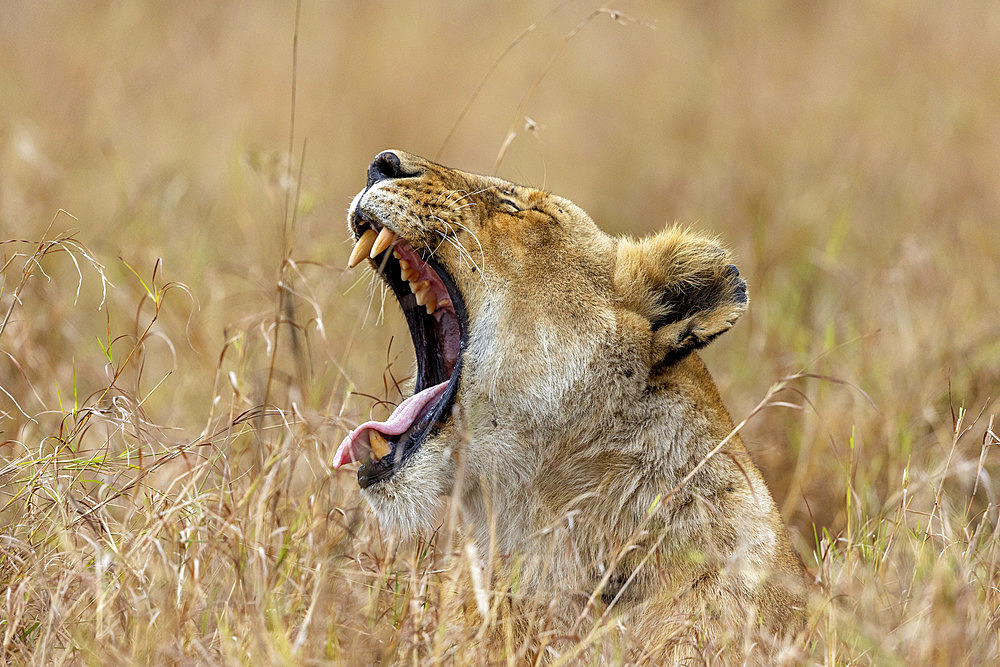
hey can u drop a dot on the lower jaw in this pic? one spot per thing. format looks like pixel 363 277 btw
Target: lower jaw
pixel 430 336
pixel 372 472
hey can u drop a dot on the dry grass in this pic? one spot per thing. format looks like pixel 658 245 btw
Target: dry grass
pixel 165 492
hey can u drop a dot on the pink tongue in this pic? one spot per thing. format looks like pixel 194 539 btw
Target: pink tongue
pixel 401 419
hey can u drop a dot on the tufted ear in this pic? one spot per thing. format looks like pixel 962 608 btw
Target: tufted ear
pixel 684 285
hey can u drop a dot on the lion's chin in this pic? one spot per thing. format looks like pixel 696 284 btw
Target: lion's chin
pixel 411 501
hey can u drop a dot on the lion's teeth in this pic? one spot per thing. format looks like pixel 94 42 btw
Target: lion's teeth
pixel 405 271
pixel 384 240
pixel 361 249
pixel 380 446
pixel 395 253
pixel 421 290
pixel 432 302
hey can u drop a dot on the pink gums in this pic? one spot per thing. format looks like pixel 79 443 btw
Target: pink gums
pixel 406 252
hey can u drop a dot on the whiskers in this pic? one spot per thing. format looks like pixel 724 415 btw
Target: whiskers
pixel 449 203
pixel 468 194
pixel 451 237
pixel 374 284
pixel 453 203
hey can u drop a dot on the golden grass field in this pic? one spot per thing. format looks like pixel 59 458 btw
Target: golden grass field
pixel 165 488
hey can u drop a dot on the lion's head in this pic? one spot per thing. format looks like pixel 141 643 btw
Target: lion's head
pixel 536 334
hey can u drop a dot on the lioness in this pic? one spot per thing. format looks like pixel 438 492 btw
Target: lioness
pixel 557 385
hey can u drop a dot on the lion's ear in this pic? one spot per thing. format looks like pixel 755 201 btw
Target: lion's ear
pixel 684 285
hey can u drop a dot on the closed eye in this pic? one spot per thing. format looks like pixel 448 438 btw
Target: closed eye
pixel 512 205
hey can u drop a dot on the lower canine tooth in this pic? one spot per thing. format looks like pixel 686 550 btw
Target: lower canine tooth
pixel 384 240
pixel 380 446
pixel 361 249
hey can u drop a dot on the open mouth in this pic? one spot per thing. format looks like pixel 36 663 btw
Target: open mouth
pixel 435 314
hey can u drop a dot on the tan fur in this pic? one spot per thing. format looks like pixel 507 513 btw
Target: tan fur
pixel 582 406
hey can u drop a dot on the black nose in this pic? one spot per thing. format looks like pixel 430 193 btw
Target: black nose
pixel 386 165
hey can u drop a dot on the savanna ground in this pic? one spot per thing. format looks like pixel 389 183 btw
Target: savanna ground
pixel 165 488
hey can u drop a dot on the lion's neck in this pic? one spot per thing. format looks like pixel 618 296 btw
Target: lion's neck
pixel 586 483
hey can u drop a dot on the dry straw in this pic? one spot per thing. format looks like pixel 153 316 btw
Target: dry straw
pixel 165 489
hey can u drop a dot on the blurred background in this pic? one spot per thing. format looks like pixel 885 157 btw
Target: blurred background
pixel 849 152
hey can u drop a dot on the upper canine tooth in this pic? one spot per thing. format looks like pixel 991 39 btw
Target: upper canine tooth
pixel 384 240
pixel 362 247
